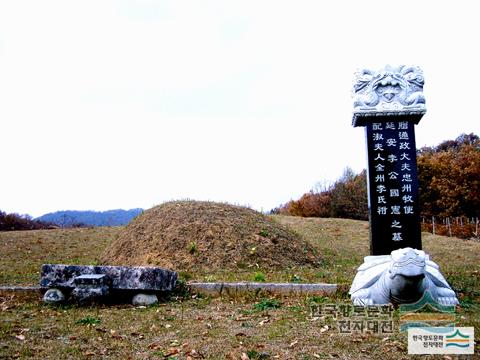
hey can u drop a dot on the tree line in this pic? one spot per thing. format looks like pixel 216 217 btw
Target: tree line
pixel 11 222
pixel 449 178
pixel 449 186
pixel 345 198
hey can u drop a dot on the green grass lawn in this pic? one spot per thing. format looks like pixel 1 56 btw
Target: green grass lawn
pixel 194 327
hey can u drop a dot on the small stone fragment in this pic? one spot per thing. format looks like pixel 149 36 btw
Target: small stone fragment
pixel 85 295
pixel 144 299
pixel 53 296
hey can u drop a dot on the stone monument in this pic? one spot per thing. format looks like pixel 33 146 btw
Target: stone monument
pixel 389 103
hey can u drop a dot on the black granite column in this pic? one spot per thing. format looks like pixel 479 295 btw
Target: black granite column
pixel 392 185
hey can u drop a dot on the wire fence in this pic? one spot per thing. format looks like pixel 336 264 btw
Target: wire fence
pixel 461 227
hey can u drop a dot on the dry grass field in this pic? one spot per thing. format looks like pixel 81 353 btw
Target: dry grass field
pixel 186 326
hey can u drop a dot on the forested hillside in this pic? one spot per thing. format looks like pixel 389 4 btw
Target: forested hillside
pixel 72 218
pixel 12 222
pixel 449 180
pixel 449 176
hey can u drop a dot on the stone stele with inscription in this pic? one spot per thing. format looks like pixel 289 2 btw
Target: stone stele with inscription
pixel 388 103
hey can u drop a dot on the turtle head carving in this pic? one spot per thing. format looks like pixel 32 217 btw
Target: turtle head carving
pixel 407 262
pixel 405 277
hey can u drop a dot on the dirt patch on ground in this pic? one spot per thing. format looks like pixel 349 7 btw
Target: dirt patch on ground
pixel 208 236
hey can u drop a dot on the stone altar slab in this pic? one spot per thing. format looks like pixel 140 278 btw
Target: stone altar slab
pixel 89 282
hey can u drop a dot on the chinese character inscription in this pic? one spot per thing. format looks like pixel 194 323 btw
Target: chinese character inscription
pixel 393 186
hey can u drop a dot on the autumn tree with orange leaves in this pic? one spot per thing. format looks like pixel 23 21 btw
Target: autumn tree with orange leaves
pixel 449 178
pixel 449 181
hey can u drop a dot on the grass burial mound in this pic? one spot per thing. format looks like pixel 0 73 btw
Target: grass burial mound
pixel 206 237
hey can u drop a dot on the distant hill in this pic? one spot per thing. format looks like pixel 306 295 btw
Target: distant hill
pixel 70 218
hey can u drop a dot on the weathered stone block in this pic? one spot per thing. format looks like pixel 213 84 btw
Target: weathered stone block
pixel 241 288
pixel 144 299
pixel 121 277
pixel 93 280
pixel 53 296
pixel 85 295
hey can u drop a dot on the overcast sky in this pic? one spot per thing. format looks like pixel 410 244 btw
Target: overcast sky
pixel 122 104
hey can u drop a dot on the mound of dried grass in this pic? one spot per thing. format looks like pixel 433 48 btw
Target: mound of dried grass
pixel 207 236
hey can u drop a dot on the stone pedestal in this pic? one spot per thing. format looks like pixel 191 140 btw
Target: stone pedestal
pixel 90 288
pixel 402 277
